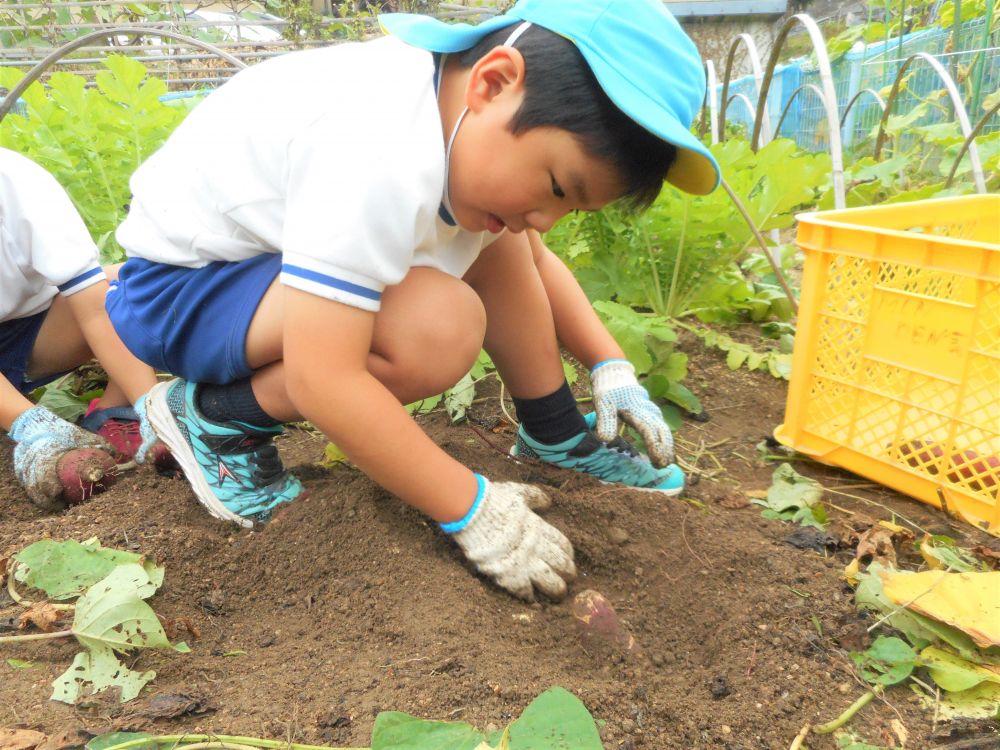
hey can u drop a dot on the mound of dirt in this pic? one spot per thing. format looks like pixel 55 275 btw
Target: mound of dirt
pixel 350 603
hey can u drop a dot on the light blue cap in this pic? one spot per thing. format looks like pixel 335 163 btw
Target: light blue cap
pixel 638 52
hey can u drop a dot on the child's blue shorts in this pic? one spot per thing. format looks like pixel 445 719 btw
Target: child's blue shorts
pixel 17 340
pixel 191 322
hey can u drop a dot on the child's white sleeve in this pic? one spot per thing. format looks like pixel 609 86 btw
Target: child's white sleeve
pixel 46 228
pixel 357 212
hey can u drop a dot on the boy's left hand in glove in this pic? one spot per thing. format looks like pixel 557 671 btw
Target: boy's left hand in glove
pixel 617 394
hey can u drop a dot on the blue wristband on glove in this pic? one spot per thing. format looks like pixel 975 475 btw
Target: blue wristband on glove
pixel 452 527
pixel 605 362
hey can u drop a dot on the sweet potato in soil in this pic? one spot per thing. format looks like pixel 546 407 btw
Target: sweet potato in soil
pixel 85 472
pixel 349 603
pixel 601 632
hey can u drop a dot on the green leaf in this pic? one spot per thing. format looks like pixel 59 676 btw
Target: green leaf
pixel 791 490
pixel 736 357
pixel 919 630
pixel 332 455
pixel 95 670
pixel 953 673
pixel 117 738
pixel 980 702
pixel 570 372
pixel 64 570
pixel 61 401
pixel 681 396
pixel 398 731
pixel 424 405
pixel 459 398
pixel 111 614
pixel 555 720
pixel 21 664
pixel 888 661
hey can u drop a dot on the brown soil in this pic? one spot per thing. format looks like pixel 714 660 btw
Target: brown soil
pixel 350 603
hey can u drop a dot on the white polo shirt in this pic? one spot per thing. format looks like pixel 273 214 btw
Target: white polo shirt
pixel 45 248
pixel 333 157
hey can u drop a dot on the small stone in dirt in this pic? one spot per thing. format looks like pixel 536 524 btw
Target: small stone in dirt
pixel 807 537
pixel 67 738
pixel 733 502
pixel 267 641
pixel 719 686
pixel 628 726
pixel 213 603
pixel 657 660
pixel 174 705
pixel 617 535
pixel 333 720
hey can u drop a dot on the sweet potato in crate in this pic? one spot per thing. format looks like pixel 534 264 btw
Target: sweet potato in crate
pixel 896 368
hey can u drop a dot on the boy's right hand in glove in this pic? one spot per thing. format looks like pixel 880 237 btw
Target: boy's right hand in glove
pixel 41 440
pixel 506 540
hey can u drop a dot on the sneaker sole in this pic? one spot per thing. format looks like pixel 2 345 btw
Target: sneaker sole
pixel 525 459
pixel 163 422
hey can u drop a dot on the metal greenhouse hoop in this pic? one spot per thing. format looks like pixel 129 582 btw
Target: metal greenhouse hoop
pixel 970 142
pixel 829 97
pixel 56 55
pixel 754 56
pixel 960 114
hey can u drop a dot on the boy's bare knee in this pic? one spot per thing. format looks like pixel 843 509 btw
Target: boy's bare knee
pixel 427 348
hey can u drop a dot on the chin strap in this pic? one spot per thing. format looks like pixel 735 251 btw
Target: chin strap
pixel 446 198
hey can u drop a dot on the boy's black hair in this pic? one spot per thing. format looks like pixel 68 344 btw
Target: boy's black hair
pixel 560 91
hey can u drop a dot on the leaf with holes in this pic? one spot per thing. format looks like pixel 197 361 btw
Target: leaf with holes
pixel 112 617
pixel 64 570
pixel 112 614
pixel 95 670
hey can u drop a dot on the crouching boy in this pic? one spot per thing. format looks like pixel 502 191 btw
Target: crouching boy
pixel 52 320
pixel 334 233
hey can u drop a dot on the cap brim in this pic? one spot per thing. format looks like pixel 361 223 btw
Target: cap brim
pixel 695 169
pixel 437 36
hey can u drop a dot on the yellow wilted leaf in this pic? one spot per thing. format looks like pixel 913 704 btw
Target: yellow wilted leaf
pixel 926 545
pixel 955 674
pixel 967 601
pixel 851 571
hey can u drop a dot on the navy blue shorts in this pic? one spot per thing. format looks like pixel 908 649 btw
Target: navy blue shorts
pixel 17 340
pixel 191 322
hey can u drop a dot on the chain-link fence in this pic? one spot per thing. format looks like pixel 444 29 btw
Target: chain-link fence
pixel 863 78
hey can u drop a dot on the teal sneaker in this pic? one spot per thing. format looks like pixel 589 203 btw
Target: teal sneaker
pixel 616 462
pixel 234 469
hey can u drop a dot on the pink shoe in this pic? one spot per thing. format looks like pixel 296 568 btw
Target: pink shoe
pixel 119 425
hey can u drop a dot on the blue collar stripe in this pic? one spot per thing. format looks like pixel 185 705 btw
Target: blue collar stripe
pixel 79 279
pixel 330 281
pixel 443 213
pixel 445 216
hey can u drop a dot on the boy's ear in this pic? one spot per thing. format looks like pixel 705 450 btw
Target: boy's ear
pixel 500 71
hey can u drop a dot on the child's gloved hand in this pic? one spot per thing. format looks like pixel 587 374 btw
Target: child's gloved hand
pixel 42 439
pixel 152 449
pixel 511 544
pixel 617 393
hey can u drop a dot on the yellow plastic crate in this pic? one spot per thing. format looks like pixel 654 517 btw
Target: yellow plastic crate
pixel 896 368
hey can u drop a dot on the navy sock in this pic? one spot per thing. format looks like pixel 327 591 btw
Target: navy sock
pixel 232 402
pixel 551 419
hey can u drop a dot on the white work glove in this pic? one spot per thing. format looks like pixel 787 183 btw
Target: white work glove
pixel 507 541
pixel 617 394
pixel 152 449
pixel 41 440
